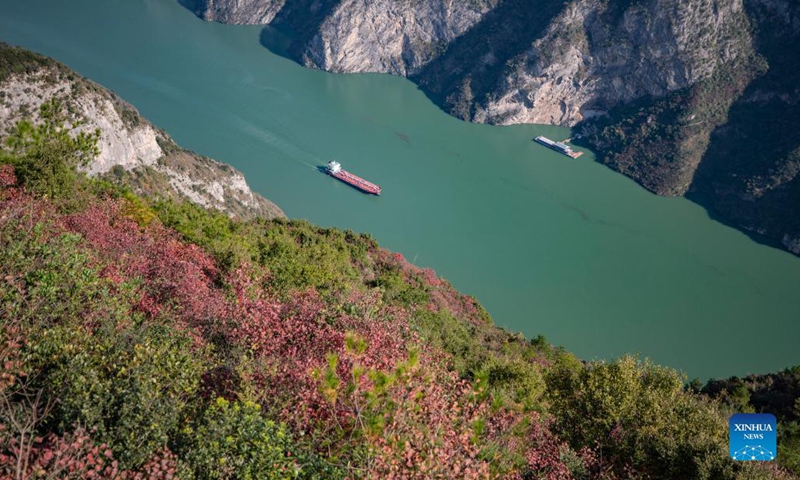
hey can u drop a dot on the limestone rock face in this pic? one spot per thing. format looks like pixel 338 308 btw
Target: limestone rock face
pixel 131 149
pixel 242 12
pixel 590 59
pixel 389 36
pixel 120 143
pixel 553 62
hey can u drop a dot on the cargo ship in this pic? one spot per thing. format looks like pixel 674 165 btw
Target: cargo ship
pixel 559 147
pixel 334 169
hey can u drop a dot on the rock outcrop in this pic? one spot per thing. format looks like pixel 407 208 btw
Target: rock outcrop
pixel 130 148
pixel 390 36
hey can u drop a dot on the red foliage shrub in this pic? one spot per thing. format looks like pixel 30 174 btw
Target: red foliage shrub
pixel 442 294
pixel 163 466
pixel 442 428
pixel 69 456
pixel 177 279
pixel 7 176
pixel 292 340
pixel 430 434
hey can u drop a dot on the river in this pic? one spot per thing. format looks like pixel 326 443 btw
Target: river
pixel 554 246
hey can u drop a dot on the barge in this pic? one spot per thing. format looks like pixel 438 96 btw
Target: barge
pixel 559 147
pixel 334 169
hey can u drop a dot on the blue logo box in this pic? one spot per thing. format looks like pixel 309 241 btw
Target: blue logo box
pixel 753 437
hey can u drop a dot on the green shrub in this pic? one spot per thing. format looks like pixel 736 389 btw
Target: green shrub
pixel 638 412
pixel 43 278
pixel 133 385
pixel 297 254
pixel 233 440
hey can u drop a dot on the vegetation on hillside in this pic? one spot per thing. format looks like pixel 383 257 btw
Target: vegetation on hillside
pixel 751 171
pixel 776 393
pixel 145 339
pixel 730 141
pixel 659 142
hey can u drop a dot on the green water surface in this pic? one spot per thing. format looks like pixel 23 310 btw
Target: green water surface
pixel 549 245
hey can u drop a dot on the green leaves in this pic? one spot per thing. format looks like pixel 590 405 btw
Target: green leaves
pixel 133 386
pixel 233 440
pixel 296 254
pixel 46 156
pixel 638 412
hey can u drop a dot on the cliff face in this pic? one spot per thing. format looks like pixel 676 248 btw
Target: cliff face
pixel 680 96
pixel 391 36
pixel 591 57
pixel 130 148
pixel 236 12
pixel 750 173
pixel 503 61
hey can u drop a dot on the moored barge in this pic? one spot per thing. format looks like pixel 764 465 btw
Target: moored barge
pixel 559 147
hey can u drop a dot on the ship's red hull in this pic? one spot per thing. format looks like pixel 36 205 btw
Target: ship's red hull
pixel 357 182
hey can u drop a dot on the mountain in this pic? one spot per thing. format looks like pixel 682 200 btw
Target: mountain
pixel 131 149
pixel 687 98
pixel 150 337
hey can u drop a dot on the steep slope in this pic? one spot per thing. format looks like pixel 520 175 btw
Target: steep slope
pixel 130 148
pixel 645 82
pixel 388 36
pixel 164 341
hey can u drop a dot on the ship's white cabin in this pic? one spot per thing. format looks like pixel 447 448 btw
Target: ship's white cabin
pixel 334 166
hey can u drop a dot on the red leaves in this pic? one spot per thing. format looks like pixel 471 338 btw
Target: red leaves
pixel 70 456
pixel 75 456
pixel 11 342
pixel 176 279
pixel 163 466
pixel 442 294
pixel 7 176
pixel 337 369
pixel 291 340
pixel 431 433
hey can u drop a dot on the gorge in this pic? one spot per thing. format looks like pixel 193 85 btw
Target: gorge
pixel 567 249
pixel 687 98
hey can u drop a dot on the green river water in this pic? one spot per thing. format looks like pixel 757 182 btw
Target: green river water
pixel 549 245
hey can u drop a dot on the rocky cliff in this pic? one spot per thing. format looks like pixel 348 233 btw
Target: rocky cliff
pixel 131 149
pixel 504 61
pixel 669 93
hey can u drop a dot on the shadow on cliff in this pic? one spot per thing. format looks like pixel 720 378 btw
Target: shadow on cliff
pixel 300 20
pixel 194 6
pixel 728 210
pixel 476 62
pixel 707 203
pixel 293 27
pixel 758 148
pixel 277 41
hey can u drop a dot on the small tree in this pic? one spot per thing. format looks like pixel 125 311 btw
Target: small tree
pixel 46 156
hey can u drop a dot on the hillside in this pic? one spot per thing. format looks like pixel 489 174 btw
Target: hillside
pixel 684 97
pixel 130 149
pixel 154 339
